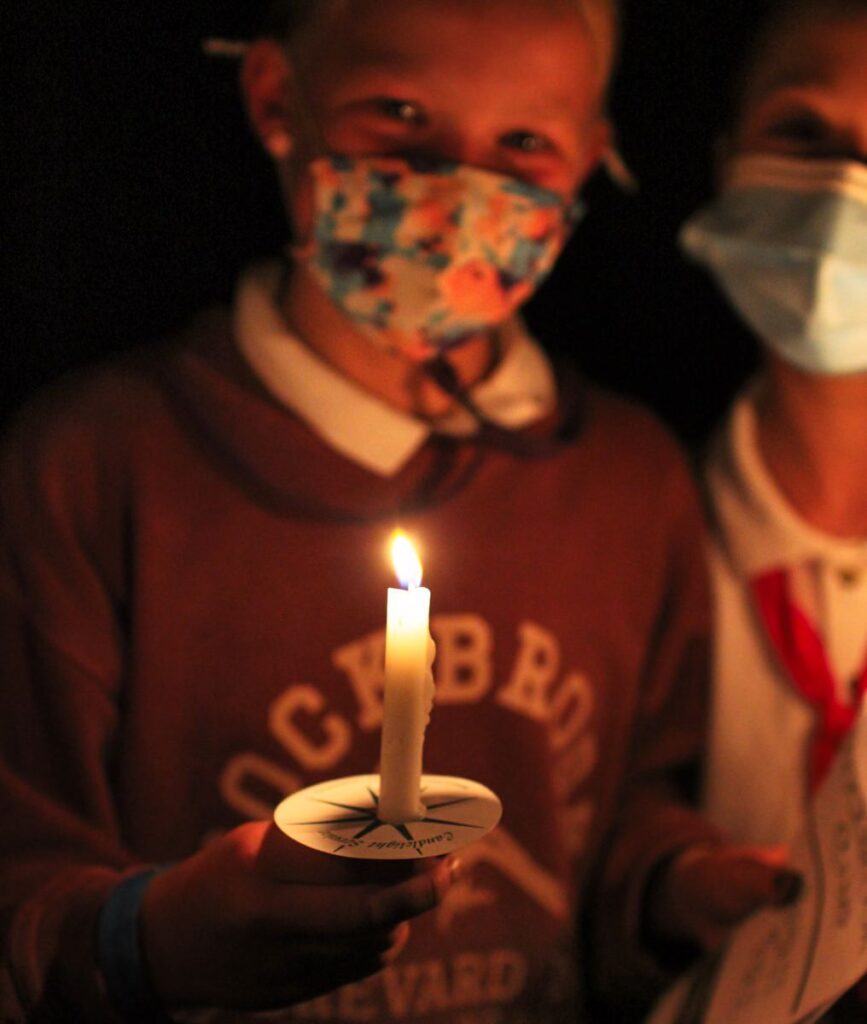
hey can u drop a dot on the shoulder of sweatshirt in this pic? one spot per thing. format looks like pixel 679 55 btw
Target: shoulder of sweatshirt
pixel 632 442
pixel 68 453
pixel 102 405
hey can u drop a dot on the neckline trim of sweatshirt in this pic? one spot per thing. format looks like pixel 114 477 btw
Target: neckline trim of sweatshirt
pixel 520 392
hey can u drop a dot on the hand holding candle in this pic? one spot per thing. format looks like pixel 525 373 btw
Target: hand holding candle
pixel 409 654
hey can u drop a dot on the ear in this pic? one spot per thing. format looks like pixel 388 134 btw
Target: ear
pixel 268 86
pixel 722 151
pixel 600 136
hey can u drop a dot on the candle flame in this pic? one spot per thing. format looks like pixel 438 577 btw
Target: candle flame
pixel 405 560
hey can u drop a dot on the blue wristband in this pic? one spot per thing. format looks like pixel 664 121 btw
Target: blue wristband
pixel 119 953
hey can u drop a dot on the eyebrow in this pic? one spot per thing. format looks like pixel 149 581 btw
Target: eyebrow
pixel 383 59
pixel 801 76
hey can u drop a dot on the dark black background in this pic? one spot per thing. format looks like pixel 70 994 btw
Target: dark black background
pixel 136 192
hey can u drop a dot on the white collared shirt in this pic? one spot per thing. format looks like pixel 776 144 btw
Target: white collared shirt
pixel 763 532
pixel 361 426
pixel 760 726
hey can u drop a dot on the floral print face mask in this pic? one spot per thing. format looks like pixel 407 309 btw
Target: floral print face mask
pixel 421 255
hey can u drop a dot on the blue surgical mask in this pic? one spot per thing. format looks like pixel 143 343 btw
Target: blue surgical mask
pixel 787 241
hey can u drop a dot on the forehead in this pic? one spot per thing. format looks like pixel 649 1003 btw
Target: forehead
pixel 817 49
pixel 476 45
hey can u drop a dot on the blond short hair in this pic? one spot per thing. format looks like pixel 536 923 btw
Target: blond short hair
pixel 286 17
pixel 603 20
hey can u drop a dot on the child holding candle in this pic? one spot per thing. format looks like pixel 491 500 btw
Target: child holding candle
pixel 786 239
pixel 192 578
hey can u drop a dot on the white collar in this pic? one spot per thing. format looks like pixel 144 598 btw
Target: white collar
pixel 761 529
pixel 357 424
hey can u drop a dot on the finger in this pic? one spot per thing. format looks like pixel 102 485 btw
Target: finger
pixel 730 888
pixel 757 883
pixel 781 884
pixel 711 938
pixel 302 982
pixel 399 938
pixel 319 952
pixel 775 856
pixel 342 910
pixel 280 962
pixel 285 860
pixel 317 981
pixel 788 886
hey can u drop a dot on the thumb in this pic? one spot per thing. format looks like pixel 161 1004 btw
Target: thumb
pixel 707 890
pixel 745 879
pixel 764 875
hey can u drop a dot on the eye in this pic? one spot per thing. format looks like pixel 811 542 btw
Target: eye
pixel 801 127
pixel 404 111
pixel 527 142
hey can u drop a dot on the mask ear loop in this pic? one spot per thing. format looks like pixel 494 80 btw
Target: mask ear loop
pixel 441 371
pixel 618 170
pixel 443 374
pixel 231 49
pixel 615 166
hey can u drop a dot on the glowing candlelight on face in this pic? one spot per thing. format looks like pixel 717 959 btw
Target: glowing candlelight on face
pixel 409 654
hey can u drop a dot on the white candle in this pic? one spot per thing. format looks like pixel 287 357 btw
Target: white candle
pixel 409 654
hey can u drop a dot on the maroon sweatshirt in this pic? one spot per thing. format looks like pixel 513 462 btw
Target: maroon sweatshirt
pixel 192 609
